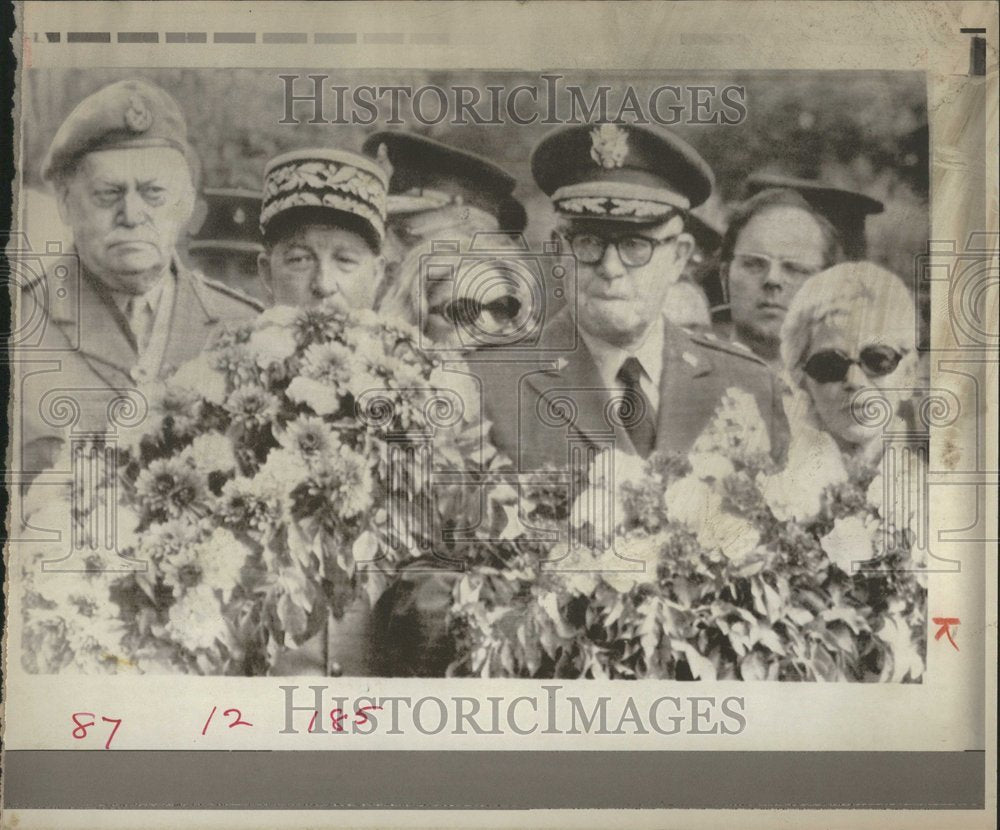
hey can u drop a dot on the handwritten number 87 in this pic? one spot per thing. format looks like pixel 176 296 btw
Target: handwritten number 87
pixel 80 730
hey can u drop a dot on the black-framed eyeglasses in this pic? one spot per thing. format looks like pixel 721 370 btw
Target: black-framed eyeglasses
pixel 832 365
pixel 468 310
pixel 633 250
pixel 759 265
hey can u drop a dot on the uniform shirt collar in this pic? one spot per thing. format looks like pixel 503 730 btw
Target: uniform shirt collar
pixel 609 358
pixel 122 299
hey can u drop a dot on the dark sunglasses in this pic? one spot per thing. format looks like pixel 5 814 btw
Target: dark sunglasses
pixel 468 310
pixel 832 365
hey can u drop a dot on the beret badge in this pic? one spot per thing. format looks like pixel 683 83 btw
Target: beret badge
pixel 138 118
pixel 610 146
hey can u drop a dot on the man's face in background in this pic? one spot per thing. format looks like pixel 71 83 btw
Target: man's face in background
pixel 775 253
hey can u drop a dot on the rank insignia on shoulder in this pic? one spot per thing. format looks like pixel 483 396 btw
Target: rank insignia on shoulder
pixel 712 341
pixel 234 293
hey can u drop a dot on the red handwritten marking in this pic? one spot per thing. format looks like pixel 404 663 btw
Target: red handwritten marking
pixel 80 731
pixel 238 720
pixel 82 726
pixel 361 712
pixel 117 722
pixel 204 729
pixel 336 721
pixel 312 722
pixel 945 630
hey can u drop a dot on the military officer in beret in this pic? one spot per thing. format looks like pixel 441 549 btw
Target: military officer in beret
pixel 124 176
pixel 622 194
pixel 438 192
pixel 322 220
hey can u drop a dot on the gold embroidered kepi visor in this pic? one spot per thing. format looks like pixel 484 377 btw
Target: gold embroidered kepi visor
pixel 619 172
pixel 320 186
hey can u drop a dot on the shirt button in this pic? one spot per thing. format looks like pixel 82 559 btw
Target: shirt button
pixel 336 670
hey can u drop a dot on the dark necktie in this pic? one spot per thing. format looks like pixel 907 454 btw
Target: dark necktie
pixel 641 430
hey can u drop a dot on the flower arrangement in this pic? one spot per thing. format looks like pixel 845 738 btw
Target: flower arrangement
pixel 258 496
pixel 713 573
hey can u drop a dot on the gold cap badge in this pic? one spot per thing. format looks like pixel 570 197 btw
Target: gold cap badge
pixel 610 146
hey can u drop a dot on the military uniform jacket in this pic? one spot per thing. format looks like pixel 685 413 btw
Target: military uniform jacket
pixel 542 406
pixel 85 357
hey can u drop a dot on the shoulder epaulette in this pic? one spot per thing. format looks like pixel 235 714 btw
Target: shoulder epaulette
pixel 711 341
pixel 229 291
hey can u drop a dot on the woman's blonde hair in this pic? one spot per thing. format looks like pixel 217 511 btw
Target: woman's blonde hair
pixel 880 295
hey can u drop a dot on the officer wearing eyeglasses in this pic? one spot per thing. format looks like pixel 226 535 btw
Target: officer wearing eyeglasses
pixel 775 241
pixel 621 193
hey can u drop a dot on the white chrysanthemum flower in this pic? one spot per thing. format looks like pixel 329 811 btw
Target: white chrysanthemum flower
pixel 605 477
pixel 283 471
pixel 700 508
pixel 710 466
pixel 173 404
pixel 320 397
pixel 328 362
pixel 737 429
pixel 211 452
pixel 356 485
pixel 222 557
pixel 202 373
pixel 196 620
pixel 253 406
pixel 849 541
pixel 182 570
pixel 170 486
pixel 814 464
pixel 251 503
pixel 271 344
pixel 309 437
pixel 164 539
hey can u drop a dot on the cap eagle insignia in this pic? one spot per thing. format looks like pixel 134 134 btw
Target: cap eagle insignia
pixel 610 146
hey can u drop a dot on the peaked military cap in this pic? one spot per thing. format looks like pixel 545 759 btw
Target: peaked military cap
pixel 428 174
pixel 133 113
pixel 624 173
pixel 325 186
pixel 230 221
pixel 846 210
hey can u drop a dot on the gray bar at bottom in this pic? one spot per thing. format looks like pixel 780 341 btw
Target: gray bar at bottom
pixel 336 779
